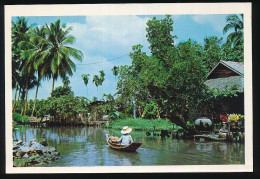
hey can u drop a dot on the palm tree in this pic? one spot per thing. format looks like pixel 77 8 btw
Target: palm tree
pixel 96 81
pixel 66 81
pixel 102 78
pixel 20 33
pixel 15 80
pixel 235 22
pixel 36 45
pixel 85 78
pixel 28 81
pixel 115 71
pixel 57 57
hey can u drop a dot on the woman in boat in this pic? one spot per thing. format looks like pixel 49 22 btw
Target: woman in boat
pixel 126 138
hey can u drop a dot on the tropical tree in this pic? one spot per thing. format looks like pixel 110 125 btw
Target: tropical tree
pixel 15 82
pixel 96 81
pixel 169 82
pixel 212 52
pixel 101 78
pixel 66 81
pixel 235 23
pixel 160 38
pixel 63 90
pixel 36 45
pixel 56 58
pixel 85 78
pixel 19 33
pixel 26 84
pixel 115 71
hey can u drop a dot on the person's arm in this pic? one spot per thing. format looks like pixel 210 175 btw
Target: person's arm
pixel 130 139
pixel 119 140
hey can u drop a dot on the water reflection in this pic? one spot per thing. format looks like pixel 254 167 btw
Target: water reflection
pixel 86 146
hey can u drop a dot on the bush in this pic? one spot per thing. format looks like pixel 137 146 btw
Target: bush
pixel 19 118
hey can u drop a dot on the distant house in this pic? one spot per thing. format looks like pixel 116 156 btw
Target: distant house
pixel 226 75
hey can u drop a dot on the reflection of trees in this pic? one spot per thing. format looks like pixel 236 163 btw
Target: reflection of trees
pixel 87 146
pixel 67 139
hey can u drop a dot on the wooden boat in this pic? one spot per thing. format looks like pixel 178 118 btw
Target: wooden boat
pixel 111 140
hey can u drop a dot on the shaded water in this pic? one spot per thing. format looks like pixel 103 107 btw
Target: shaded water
pixel 86 146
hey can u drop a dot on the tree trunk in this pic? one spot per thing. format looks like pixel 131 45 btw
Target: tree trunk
pixel 26 92
pixel 139 110
pixel 52 85
pixel 18 99
pixel 16 86
pixel 35 98
pixel 22 107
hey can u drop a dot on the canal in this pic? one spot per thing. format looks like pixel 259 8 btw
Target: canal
pixel 86 146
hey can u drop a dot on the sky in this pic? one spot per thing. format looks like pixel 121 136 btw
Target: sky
pixel 109 40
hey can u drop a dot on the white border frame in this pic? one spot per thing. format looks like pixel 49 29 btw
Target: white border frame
pixel 133 9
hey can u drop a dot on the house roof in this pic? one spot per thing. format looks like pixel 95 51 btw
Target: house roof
pixel 223 84
pixel 237 67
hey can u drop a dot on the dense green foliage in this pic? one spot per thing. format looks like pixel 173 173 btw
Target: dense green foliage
pixel 19 119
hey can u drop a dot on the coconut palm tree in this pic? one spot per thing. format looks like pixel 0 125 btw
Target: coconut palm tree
pixel 57 57
pixel 28 73
pixel 15 80
pixel 19 29
pixel 20 33
pixel 235 22
pixel 28 81
pixel 36 45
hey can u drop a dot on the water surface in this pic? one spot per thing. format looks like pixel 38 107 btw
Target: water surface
pixel 86 146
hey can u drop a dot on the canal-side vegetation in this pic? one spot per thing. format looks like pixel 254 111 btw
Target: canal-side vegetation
pixel 143 124
pixel 19 119
pixel 166 88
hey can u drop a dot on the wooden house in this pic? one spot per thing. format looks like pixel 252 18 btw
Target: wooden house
pixel 226 75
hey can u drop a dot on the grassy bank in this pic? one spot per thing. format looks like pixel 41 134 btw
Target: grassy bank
pixel 19 119
pixel 143 124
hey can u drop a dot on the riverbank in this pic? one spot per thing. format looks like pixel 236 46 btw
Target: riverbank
pixel 34 153
pixel 143 124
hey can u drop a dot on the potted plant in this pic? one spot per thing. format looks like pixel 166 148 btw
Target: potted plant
pixel 233 119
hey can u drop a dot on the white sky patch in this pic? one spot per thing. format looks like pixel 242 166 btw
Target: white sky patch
pixel 113 35
pixel 216 21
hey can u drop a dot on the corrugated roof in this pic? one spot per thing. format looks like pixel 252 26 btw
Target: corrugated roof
pixel 226 83
pixel 238 66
